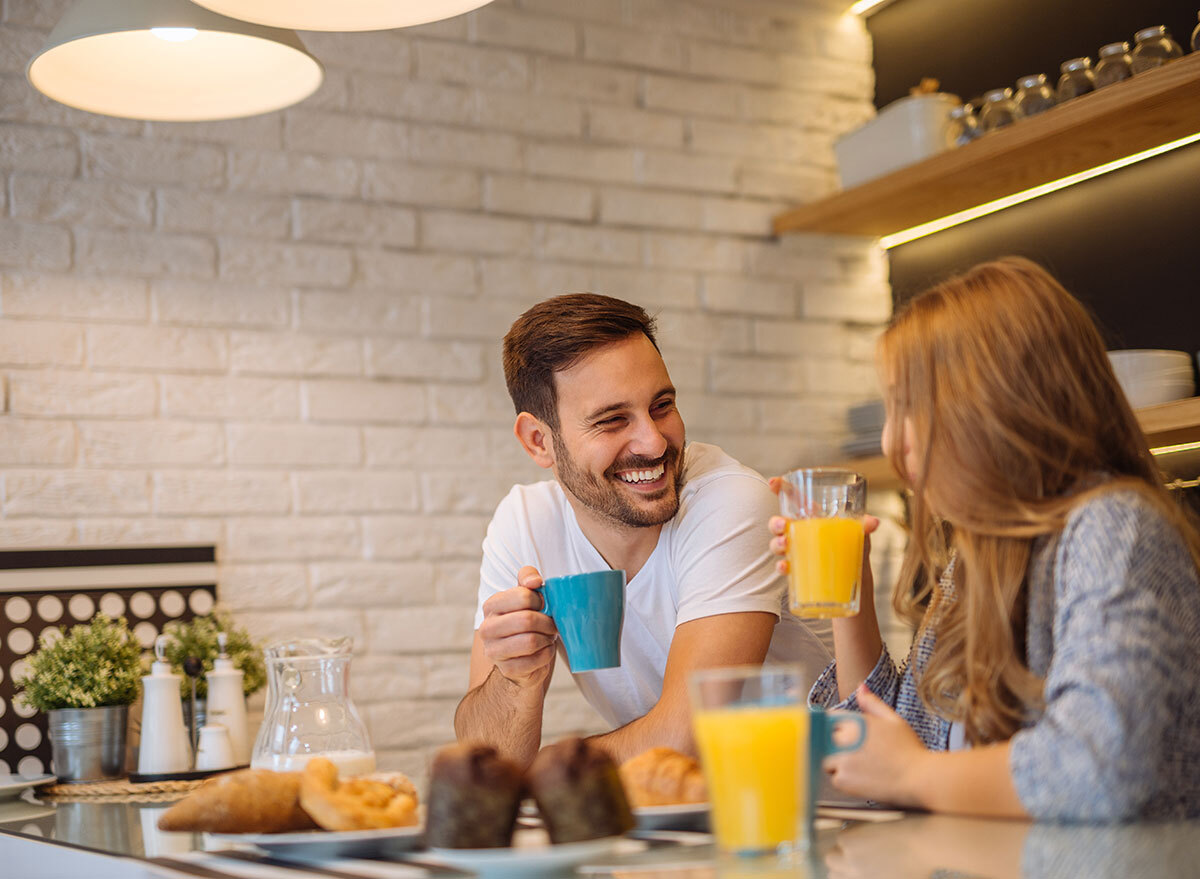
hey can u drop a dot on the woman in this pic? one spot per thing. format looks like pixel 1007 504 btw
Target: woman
pixel 1053 578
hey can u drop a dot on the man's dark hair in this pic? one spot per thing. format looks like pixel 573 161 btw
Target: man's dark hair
pixel 554 335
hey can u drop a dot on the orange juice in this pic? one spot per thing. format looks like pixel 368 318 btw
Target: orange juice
pixel 825 557
pixel 755 761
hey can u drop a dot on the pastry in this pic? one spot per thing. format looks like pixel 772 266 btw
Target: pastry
pixel 356 803
pixel 249 801
pixel 663 777
pixel 579 792
pixel 474 794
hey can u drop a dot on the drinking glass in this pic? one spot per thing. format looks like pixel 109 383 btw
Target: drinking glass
pixel 761 748
pixel 824 508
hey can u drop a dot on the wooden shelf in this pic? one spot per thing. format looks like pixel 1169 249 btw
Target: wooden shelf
pixel 1141 113
pixel 1165 425
pixel 1171 423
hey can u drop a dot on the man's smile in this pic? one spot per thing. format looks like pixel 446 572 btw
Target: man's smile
pixel 642 477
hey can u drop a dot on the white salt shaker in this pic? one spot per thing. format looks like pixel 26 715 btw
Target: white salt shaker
pixel 165 746
pixel 227 703
pixel 215 750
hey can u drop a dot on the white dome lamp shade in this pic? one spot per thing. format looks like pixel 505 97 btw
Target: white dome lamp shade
pixel 342 15
pixel 170 60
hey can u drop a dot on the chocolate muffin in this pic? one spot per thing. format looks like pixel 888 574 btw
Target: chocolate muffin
pixel 578 792
pixel 474 794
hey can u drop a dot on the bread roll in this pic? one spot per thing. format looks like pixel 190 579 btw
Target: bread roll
pixel 663 777
pixel 248 801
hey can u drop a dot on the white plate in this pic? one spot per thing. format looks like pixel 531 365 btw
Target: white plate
pixel 19 811
pixel 684 816
pixel 530 855
pixel 316 845
pixel 12 785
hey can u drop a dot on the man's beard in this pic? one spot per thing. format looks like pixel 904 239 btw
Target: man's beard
pixel 606 499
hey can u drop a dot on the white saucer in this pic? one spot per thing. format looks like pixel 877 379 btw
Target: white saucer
pixel 317 845
pixel 682 816
pixel 531 855
pixel 11 786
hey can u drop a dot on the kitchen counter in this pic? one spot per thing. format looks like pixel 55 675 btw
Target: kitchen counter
pixel 120 841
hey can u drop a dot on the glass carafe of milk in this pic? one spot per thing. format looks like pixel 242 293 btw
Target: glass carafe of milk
pixel 309 712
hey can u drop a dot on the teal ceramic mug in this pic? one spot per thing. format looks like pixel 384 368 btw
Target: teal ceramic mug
pixel 588 610
pixel 821 745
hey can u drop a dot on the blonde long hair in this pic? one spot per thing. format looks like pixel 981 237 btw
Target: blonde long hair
pixel 1016 410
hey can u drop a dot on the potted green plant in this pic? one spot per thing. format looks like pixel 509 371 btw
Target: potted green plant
pixel 197 640
pixel 85 682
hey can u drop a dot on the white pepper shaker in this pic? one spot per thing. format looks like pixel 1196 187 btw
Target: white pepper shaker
pixel 227 702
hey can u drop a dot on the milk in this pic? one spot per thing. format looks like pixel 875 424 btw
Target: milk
pixel 347 762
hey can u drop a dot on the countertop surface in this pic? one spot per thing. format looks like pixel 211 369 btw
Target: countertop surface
pixel 121 840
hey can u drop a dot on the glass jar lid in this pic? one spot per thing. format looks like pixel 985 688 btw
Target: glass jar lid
pixel 1031 81
pixel 1150 33
pixel 1076 64
pixel 997 95
pixel 1114 49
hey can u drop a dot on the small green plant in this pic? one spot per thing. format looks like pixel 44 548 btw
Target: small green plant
pixel 198 638
pixel 95 664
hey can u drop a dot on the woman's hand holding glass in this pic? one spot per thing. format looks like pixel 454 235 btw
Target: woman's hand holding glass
pixel 779 547
pixel 856 639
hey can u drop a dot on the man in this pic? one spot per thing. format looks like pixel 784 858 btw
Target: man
pixel 687 523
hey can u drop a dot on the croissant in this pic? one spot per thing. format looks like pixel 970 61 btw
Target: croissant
pixel 663 777
pixel 356 803
pixel 249 801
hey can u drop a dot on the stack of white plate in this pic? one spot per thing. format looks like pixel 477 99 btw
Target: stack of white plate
pixel 1149 377
pixel 866 424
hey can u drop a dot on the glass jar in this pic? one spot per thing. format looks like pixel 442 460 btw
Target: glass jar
pixel 1113 64
pixel 998 109
pixel 1154 49
pixel 964 125
pixel 1077 79
pixel 1034 95
pixel 309 712
pixel 1196 38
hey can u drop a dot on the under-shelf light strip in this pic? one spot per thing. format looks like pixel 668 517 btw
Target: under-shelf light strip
pixel 1170 450
pixel 862 7
pixel 991 207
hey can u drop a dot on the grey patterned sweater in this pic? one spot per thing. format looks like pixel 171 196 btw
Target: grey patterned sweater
pixel 1114 627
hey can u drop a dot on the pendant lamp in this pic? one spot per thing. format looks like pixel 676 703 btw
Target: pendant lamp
pixel 342 15
pixel 170 60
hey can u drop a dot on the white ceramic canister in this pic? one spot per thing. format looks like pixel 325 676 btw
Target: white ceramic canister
pixel 215 750
pixel 165 746
pixel 227 703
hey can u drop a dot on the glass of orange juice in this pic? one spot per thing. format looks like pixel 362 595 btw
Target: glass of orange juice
pixel 824 508
pixel 761 748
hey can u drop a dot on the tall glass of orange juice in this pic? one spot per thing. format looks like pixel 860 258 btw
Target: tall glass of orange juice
pixel 761 747
pixel 824 508
pixel 751 726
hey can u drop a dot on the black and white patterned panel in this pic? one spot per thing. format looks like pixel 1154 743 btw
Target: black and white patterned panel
pixel 48 591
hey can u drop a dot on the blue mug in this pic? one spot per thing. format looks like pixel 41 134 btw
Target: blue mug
pixel 821 745
pixel 588 610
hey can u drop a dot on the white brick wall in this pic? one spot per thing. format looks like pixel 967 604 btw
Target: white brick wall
pixel 282 333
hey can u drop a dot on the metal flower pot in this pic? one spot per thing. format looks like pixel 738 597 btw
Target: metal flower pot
pixel 88 744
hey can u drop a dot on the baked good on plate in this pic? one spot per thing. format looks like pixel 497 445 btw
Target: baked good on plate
pixel 474 794
pixel 663 777
pixel 578 792
pixel 247 801
pixel 364 803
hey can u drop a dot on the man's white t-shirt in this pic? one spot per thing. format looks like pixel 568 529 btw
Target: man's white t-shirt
pixel 711 558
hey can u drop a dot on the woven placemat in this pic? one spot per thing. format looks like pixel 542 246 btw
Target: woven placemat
pixel 121 790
